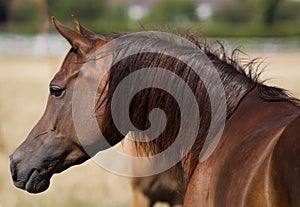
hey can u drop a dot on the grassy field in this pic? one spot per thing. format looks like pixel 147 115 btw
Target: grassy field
pixel 23 94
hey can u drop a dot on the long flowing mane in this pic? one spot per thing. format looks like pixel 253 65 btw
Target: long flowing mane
pixel 238 79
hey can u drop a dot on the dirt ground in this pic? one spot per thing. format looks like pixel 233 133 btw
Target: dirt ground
pixel 23 94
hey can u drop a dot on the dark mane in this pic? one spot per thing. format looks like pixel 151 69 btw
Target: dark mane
pixel 238 79
pixel 250 68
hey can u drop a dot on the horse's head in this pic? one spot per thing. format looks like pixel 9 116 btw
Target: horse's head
pixel 52 145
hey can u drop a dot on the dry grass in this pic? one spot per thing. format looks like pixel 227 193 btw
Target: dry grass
pixel 23 94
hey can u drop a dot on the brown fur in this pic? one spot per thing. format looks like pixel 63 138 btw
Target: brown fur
pixel 244 169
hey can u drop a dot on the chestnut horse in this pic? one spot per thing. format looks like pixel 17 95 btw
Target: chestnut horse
pixel 255 163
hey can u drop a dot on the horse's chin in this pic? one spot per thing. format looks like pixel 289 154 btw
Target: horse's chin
pixel 37 182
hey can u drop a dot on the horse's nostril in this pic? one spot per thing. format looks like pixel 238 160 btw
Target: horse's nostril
pixel 14 177
pixel 13 169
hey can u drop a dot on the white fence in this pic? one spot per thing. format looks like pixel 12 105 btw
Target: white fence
pixel 265 45
pixel 32 46
pixel 53 45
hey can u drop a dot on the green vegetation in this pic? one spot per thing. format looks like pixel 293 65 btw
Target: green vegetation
pixel 172 11
pixel 235 13
pixel 86 9
pixel 26 17
pixel 3 14
pixel 94 14
pixel 259 18
pixel 3 11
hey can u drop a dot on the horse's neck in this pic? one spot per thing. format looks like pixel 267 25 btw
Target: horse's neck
pixel 234 94
pixel 236 87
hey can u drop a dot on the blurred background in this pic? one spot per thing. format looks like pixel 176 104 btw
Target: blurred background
pixel 31 52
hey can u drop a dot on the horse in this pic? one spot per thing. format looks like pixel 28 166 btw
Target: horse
pixel 252 158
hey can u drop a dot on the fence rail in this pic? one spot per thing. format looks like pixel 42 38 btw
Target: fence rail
pixel 50 45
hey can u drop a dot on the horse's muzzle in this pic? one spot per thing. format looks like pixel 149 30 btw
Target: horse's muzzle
pixel 13 169
pixel 27 178
pixel 19 180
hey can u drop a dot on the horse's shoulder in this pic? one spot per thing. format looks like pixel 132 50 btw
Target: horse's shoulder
pixel 289 142
pixel 293 128
pixel 286 163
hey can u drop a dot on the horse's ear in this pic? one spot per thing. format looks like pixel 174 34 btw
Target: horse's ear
pixel 77 40
pixel 81 29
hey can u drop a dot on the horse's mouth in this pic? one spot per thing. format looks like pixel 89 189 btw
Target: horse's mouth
pixel 37 182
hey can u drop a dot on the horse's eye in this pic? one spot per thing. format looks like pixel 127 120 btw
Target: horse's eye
pixel 56 91
pixel 74 50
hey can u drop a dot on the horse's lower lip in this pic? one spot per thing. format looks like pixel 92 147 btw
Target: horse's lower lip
pixel 30 179
pixel 37 182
